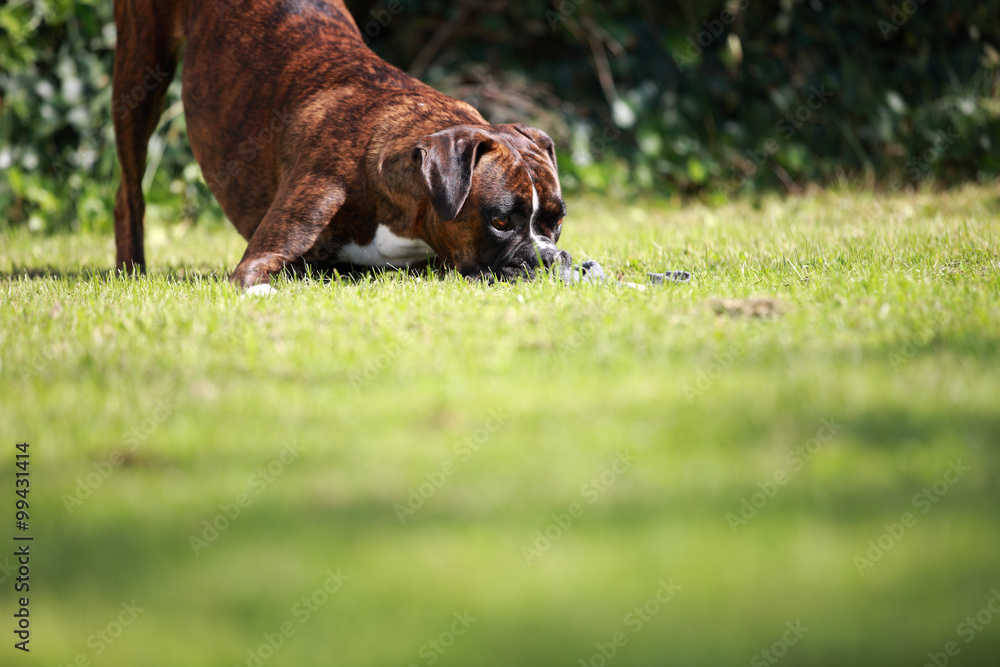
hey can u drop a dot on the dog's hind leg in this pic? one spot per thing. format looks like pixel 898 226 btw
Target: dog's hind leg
pixel 149 42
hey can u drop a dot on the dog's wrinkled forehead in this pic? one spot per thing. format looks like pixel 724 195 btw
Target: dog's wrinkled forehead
pixel 523 177
pixel 549 205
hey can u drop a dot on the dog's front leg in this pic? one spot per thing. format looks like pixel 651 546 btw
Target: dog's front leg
pixel 303 206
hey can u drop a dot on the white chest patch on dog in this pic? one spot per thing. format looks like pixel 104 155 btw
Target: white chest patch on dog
pixel 386 249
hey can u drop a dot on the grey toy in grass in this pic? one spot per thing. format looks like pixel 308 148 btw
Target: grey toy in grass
pixel 592 272
pixel 587 272
pixel 670 276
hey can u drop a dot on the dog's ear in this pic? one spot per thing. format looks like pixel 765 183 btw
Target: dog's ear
pixel 447 160
pixel 541 139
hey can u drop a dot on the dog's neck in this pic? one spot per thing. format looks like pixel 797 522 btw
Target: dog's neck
pixel 391 170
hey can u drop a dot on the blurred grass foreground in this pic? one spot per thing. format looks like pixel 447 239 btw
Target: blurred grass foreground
pixel 794 457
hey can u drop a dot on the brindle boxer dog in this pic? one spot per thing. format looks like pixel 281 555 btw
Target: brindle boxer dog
pixel 320 152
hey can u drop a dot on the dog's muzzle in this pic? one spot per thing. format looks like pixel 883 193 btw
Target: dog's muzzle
pixel 523 261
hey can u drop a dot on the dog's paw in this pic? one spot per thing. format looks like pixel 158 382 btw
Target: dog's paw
pixel 261 289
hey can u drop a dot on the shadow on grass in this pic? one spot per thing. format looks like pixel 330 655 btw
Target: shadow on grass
pixel 145 543
pixel 247 578
pixel 341 272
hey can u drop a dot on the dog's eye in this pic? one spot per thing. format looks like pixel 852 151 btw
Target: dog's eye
pixel 501 221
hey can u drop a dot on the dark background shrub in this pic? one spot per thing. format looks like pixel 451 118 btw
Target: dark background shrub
pixel 705 99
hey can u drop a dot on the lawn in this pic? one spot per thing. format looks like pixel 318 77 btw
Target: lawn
pixel 793 458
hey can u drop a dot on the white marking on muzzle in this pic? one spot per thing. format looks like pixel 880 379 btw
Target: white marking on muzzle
pixel 537 239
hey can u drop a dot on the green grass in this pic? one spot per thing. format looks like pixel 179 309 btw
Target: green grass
pixel 884 320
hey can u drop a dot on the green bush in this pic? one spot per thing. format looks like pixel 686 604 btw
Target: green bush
pixel 57 145
pixel 702 99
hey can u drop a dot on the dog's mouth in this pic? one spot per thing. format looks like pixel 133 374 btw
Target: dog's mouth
pixel 522 262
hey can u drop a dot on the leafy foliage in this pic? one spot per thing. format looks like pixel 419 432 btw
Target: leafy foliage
pixel 707 98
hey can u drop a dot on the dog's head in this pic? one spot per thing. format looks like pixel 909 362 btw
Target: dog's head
pixel 497 208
